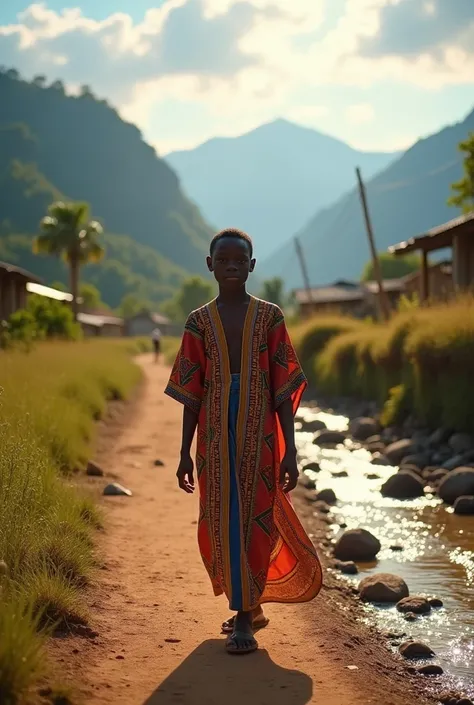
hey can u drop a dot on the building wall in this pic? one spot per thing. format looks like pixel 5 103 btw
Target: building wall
pixel 12 293
pixel 330 308
pixel 441 285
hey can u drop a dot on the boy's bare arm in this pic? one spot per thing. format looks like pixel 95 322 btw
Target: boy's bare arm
pixel 185 472
pixel 289 467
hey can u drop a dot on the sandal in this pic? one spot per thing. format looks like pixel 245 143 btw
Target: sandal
pixel 240 643
pixel 259 622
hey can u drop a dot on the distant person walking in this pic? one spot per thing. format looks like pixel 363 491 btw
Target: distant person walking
pixel 156 339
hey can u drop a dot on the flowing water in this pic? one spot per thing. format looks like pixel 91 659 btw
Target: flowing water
pixel 437 559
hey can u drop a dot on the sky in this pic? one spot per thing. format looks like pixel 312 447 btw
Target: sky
pixel 378 74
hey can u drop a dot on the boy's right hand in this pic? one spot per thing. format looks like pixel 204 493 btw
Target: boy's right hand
pixel 185 474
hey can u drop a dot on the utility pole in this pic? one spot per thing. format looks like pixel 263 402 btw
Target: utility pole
pixel 384 307
pixel 304 271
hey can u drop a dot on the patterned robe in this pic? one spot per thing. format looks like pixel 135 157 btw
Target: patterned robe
pixel 278 560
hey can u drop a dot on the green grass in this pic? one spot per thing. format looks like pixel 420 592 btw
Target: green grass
pixel 419 362
pixel 49 401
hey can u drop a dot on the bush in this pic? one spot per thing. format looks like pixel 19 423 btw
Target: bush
pixel 419 362
pixel 48 402
pixel 311 337
pixel 42 318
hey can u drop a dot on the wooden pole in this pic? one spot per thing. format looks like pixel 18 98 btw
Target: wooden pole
pixel 425 277
pixel 304 271
pixel 384 307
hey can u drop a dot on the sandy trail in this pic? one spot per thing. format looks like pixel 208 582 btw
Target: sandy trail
pixel 158 621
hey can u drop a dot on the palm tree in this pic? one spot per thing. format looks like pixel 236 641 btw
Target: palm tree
pixel 67 232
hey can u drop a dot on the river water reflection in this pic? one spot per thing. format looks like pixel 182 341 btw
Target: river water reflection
pixel 437 559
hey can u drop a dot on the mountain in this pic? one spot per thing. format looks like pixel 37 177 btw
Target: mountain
pixel 53 145
pixel 405 200
pixel 271 180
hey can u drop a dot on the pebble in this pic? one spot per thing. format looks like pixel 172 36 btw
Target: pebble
pixel 94 470
pixel 159 464
pixel 396 548
pixel 348 567
pixel 410 617
pixel 114 489
pixel 436 602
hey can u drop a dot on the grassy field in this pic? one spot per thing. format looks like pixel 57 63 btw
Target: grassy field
pixel 49 402
pixel 417 363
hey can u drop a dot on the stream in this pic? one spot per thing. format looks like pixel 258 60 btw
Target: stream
pixel 437 559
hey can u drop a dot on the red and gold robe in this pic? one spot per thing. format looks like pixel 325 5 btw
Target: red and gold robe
pixel 278 562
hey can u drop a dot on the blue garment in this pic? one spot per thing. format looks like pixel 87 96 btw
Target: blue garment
pixel 234 513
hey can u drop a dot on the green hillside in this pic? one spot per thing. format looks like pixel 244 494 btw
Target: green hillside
pixel 78 148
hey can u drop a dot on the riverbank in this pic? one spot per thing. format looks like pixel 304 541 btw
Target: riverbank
pixel 155 628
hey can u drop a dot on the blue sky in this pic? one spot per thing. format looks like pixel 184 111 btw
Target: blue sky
pixel 375 73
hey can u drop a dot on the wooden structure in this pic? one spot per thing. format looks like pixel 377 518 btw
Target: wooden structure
pixel 13 288
pixel 144 323
pixel 98 323
pixel 458 234
pixel 348 298
pixel 440 282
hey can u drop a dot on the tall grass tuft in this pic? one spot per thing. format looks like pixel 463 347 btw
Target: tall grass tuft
pixel 49 401
pixel 416 363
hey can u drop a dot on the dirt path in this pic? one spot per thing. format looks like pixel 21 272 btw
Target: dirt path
pixel 158 622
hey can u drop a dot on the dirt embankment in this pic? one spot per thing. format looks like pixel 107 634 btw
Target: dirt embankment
pixel 158 624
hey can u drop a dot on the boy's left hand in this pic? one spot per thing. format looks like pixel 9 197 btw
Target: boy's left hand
pixel 289 472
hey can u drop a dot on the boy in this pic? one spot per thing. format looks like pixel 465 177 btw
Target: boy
pixel 240 382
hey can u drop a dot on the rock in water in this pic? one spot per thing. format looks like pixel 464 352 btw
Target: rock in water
pixel 314 467
pixel 417 605
pixel 436 602
pixel 461 443
pixel 416 650
pixel 94 470
pixel 363 428
pixel 459 483
pixel 383 587
pixel 431 669
pixel 114 489
pixel 464 505
pixel 399 450
pixel 329 438
pixel 403 485
pixel 307 482
pixel 348 567
pixel 357 545
pixel 312 425
pixel 328 496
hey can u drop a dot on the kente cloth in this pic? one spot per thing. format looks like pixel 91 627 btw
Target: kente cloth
pixel 278 562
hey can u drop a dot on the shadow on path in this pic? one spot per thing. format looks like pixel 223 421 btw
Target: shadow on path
pixel 210 676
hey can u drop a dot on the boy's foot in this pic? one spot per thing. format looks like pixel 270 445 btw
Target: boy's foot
pixel 242 640
pixel 259 621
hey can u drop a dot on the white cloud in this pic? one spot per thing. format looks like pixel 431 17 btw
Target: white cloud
pixel 361 113
pixel 238 57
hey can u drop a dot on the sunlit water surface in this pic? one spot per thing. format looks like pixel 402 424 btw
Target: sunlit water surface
pixel 438 548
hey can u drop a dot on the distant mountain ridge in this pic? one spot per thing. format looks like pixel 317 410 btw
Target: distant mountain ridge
pixel 271 180
pixel 408 198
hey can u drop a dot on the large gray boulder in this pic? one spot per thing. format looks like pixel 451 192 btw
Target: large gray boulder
pixel 458 483
pixel 400 449
pixel 383 587
pixel 357 545
pixel 403 485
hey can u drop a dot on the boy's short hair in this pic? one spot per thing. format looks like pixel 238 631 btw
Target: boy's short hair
pixel 231 232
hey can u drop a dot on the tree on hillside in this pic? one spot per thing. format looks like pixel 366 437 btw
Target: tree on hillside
pixel 463 197
pixel 132 304
pixel 67 232
pixel 392 267
pixel 273 291
pixel 91 297
pixel 194 292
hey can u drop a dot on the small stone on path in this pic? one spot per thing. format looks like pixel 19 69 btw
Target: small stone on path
pixel 159 464
pixel 94 470
pixel 114 489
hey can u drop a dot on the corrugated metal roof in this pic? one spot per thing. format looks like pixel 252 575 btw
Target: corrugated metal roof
pixel 48 292
pixel 13 269
pixel 93 319
pixel 345 291
pixel 429 237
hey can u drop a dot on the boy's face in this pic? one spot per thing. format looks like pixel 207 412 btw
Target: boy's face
pixel 231 262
